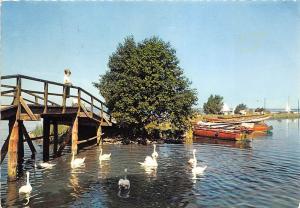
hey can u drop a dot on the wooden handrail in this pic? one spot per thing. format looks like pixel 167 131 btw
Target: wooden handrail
pixel 7 91
pixel 45 97
pixel 8 86
pixel 50 82
pixel 40 97
pixel 94 102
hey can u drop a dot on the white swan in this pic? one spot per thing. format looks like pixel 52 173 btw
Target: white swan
pixel 104 156
pixel 124 184
pixel 193 160
pixel 44 165
pixel 77 162
pixel 26 188
pixel 149 162
pixel 154 154
pixel 198 170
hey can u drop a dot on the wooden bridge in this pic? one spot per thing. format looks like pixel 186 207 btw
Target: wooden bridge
pixel 82 112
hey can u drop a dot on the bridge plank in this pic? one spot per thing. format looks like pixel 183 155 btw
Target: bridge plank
pixel 27 109
pixel 84 110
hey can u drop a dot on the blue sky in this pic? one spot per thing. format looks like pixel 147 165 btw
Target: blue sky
pixel 244 51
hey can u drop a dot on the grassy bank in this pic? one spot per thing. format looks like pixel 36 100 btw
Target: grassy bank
pixel 38 130
pixel 285 116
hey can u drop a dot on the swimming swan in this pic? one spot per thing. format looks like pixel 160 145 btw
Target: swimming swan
pixel 154 154
pixel 77 162
pixel 26 188
pixel 44 165
pixel 198 170
pixel 149 162
pixel 193 160
pixel 104 156
pixel 124 184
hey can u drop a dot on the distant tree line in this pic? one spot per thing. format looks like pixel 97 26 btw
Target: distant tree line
pixel 215 104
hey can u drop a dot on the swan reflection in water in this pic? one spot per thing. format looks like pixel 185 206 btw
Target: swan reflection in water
pixel 74 183
pixel 124 186
pixel 151 172
pixel 104 169
pixel 124 193
pixel 26 198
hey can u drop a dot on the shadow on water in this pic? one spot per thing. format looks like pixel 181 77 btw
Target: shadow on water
pixel 225 143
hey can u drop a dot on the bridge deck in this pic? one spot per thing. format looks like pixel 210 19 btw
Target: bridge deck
pixel 55 112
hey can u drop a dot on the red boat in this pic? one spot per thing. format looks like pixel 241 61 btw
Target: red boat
pixel 255 127
pixel 262 127
pixel 219 133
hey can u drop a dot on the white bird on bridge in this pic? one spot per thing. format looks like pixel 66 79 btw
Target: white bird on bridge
pixel 26 188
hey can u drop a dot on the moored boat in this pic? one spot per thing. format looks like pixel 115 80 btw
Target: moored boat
pixel 239 120
pixel 248 127
pixel 262 127
pixel 219 133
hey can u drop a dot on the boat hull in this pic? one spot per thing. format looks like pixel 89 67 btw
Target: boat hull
pixel 219 134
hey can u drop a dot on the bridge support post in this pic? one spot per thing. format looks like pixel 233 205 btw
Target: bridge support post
pixel 55 139
pixel 99 134
pixel 46 139
pixel 20 143
pixel 75 137
pixel 13 152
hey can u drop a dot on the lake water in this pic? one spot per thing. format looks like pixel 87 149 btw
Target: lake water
pixel 264 174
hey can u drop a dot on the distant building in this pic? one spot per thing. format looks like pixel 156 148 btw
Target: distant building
pixel 287 108
pixel 225 109
pixel 243 112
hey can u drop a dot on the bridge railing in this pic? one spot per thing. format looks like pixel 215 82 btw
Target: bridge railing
pixel 81 98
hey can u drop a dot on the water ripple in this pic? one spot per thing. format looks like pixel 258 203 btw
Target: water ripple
pixel 265 174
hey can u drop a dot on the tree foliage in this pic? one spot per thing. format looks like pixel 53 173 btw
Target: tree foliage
pixel 145 86
pixel 240 107
pixel 259 110
pixel 213 105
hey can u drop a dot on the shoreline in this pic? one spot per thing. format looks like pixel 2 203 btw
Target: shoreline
pixel 273 116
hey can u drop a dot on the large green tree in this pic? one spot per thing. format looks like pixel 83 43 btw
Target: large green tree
pixel 213 105
pixel 145 86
